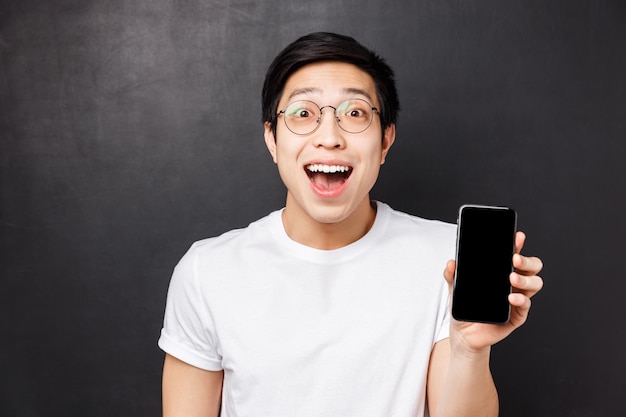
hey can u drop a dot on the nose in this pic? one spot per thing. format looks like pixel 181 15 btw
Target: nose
pixel 328 134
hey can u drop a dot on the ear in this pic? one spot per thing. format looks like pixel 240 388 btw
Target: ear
pixel 389 136
pixel 270 140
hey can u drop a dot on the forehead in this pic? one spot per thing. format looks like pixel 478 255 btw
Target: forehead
pixel 329 81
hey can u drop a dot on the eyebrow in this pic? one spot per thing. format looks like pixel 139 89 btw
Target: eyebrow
pixel 306 90
pixel 358 91
pixel 315 90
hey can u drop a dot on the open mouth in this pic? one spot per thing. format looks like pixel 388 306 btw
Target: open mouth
pixel 328 177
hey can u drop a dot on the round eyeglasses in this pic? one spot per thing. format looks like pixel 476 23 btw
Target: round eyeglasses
pixel 304 117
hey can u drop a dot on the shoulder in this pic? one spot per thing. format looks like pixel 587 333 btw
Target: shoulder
pixel 404 224
pixel 235 236
pixel 226 247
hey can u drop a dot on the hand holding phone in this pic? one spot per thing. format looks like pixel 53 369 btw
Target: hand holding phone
pixel 484 261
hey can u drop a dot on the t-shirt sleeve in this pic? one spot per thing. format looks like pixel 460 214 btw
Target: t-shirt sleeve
pixel 188 331
pixel 443 322
pixel 444 314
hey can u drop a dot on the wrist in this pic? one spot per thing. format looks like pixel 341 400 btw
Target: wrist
pixel 462 350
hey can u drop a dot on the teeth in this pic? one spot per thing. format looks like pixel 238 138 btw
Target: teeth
pixel 327 169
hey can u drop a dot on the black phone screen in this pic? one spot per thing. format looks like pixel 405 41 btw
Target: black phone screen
pixel 485 246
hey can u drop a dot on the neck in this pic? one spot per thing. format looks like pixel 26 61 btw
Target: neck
pixel 304 229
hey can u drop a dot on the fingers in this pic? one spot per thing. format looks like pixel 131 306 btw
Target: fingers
pixel 520 306
pixel 525 279
pixel 519 300
pixel 527 285
pixel 520 238
pixel 527 265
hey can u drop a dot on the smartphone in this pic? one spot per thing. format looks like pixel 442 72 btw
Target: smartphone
pixel 484 261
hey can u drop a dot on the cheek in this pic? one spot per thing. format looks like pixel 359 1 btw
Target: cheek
pixel 372 160
pixel 376 154
pixel 285 156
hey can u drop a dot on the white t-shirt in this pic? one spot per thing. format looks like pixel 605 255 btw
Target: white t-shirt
pixel 304 332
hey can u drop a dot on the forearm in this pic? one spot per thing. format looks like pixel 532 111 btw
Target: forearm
pixel 468 389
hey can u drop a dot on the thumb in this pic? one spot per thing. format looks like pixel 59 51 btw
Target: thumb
pixel 448 273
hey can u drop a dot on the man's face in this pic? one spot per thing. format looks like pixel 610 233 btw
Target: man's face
pixel 329 197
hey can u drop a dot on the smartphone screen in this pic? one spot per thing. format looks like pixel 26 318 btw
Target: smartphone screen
pixel 484 261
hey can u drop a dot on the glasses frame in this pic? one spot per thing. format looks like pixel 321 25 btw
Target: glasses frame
pixel 318 122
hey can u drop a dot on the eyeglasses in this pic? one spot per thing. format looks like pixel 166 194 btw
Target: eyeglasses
pixel 304 117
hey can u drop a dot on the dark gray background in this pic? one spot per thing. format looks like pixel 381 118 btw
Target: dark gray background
pixel 130 129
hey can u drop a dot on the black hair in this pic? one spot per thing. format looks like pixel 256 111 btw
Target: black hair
pixel 325 46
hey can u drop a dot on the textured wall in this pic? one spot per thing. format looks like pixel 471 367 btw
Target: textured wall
pixel 130 129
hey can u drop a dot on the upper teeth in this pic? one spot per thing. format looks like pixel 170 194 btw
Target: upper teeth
pixel 327 168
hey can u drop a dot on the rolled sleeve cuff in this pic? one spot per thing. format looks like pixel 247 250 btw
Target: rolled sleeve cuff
pixel 179 351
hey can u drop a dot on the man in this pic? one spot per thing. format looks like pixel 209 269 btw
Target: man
pixel 333 306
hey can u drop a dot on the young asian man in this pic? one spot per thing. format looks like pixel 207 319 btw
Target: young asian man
pixel 334 305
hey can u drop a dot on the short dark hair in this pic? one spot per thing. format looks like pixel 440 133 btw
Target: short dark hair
pixel 330 47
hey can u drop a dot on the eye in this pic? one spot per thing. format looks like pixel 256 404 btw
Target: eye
pixel 354 109
pixel 302 113
pixel 355 113
pixel 301 110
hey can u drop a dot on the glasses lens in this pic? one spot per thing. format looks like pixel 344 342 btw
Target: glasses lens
pixel 355 115
pixel 302 117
